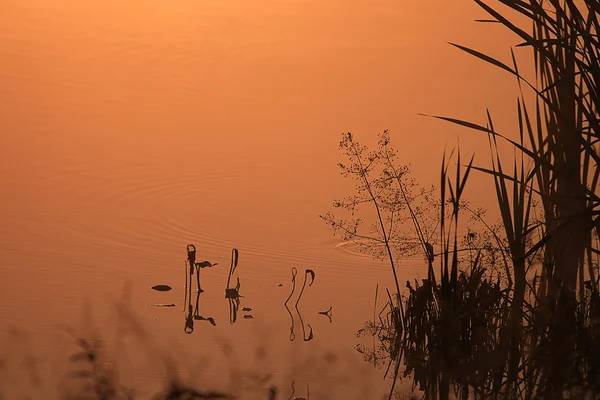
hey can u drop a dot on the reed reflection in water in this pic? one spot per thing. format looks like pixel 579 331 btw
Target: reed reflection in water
pixel 195 315
pixel 328 313
pixel 232 294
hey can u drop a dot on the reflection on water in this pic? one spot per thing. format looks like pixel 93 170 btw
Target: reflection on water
pixel 195 315
pixel 294 392
pixel 234 304
pixel 328 313
pixel 232 294
pixel 311 273
pixel 386 341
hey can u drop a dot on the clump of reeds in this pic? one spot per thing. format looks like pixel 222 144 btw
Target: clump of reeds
pixel 539 337
pixel 452 326
pixel 456 333
pixel 547 343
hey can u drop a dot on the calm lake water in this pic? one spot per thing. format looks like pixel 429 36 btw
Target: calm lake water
pixel 130 129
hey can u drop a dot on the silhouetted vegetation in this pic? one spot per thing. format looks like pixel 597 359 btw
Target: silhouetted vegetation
pixel 508 311
pixel 535 334
pixel 306 337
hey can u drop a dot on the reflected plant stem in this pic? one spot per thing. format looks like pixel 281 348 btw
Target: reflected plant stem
pixel 197 303
pixel 189 320
pixel 199 317
pixel 233 294
pixel 292 333
pixel 234 304
pixel 187 303
pixel 185 291
pixel 294 392
pixel 310 335
pixel 328 315
pixel 375 333
pixel 292 327
pixel 396 371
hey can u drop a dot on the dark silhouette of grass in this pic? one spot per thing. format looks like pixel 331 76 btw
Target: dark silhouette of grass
pixel 95 373
pixel 456 334
pixel 93 380
pixel 534 335
pixel 103 385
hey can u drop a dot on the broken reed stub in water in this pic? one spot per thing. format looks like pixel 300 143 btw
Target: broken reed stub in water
pixel 232 293
pixel 161 288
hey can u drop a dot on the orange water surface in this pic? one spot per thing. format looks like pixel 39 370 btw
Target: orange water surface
pixel 129 129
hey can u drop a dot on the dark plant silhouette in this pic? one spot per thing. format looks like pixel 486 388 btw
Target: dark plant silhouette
pixel 407 216
pixel 232 294
pixel 529 332
pixel 310 335
pixel 234 305
pixel 395 197
pixel 292 397
pixel 100 373
pixel 292 323
pixel 308 272
pixel 199 317
pixel 327 313
pixel 191 251
pixel 233 266
pixel 546 341
pixel 193 265
pixel 189 319
pixel 180 392
pixel 534 335
pixel 194 315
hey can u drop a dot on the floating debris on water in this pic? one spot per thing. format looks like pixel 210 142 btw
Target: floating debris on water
pixel 249 316
pixel 328 312
pixel 281 284
pixel 163 305
pixel 246 309
pixel 161 288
